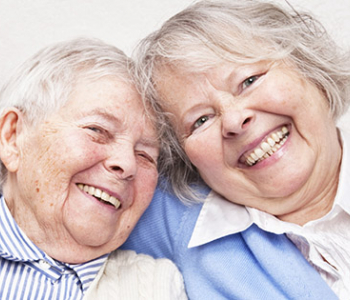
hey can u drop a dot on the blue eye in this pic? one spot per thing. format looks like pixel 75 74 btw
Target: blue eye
pixel 95 129
pixel 200 121
pixel 98 132
pixel 249 81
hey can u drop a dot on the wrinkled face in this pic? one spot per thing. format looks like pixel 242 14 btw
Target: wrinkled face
pixel 87 173
pixel 259 134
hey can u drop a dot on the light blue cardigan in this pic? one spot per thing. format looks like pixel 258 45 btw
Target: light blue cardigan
pixel 249 265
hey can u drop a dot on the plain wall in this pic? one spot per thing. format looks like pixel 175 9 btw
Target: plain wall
pixel 28 25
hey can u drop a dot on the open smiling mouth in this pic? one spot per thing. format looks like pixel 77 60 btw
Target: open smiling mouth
pixel 99 195
pixel 268 147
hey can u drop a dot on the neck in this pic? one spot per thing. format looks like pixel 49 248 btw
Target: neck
pixel 318 207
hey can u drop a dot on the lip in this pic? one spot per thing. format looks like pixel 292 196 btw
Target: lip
pixel 251 146
pixel 108 191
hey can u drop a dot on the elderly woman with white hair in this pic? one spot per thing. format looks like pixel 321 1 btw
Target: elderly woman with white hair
pixel 253 92
pixel 78 167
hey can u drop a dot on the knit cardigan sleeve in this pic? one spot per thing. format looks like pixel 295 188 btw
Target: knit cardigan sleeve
pixel 127 275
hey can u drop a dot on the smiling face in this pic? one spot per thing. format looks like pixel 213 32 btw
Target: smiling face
pixel 86 174
pixel 259 134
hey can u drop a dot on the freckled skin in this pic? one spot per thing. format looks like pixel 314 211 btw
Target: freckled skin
pixel 42 194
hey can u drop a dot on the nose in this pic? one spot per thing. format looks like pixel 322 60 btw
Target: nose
pixel 236 121
pixel 122 162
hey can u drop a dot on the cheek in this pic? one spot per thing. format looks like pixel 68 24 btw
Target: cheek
pixel 204 150
pixel 144 187
pixel 56 162
pixel 279 93
pixel 76 153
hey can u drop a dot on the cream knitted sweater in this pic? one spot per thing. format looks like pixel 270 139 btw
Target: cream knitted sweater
pixel 130 276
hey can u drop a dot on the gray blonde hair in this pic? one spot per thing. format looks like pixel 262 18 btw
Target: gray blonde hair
pixel 212 32
pixel 43 83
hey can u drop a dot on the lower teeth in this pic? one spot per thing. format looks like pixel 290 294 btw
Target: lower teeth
pixel 267 155
pixel 103 201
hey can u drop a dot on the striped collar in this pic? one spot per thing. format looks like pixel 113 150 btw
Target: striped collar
pixel 17 247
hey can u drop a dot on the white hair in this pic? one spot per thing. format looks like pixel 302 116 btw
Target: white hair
pixel 212 32
pixel 43 83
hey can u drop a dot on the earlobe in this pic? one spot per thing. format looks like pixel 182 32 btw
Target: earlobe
pixel 10 127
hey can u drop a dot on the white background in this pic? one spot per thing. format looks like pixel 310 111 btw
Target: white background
pixel 28 25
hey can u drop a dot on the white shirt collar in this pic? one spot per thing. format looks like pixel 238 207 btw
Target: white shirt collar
pixel 219 218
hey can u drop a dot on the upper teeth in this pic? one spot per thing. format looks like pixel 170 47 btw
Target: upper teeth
pixel 268 147
pixel 99 194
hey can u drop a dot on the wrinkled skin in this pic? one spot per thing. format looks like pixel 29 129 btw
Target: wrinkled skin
pixel 100 138
pixel 222 115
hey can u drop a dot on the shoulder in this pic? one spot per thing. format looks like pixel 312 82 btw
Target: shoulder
pixel 127 259
pixel 137 276
pixel 167 203
pixel 165 225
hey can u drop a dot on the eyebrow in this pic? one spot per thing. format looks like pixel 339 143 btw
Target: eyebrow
pixel 152 143
pixel 104 113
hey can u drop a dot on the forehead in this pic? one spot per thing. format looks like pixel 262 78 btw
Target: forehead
pixel 174 84
pixel 109 94
pixel 105 91
pixel 179 88
pixel 111 98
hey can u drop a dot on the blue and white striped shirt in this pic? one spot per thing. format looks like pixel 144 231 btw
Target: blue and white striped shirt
pixel 26 272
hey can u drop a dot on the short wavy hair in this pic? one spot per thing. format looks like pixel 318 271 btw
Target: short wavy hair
pixel 212 32
pixel 43 83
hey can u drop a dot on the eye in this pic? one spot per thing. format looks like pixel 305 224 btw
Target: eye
pixel 98 133
pixel 147 157
pixel 200 122
pixel 95 129
pixel 249 81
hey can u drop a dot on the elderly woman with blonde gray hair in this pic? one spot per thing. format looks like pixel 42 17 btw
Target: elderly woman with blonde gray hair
pixel 252 91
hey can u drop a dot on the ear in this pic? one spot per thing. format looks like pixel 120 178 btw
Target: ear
pixel 10 128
